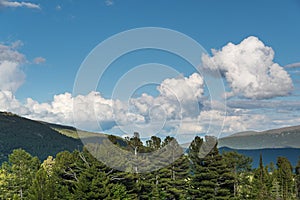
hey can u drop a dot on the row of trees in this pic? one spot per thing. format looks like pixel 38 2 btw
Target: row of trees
pixel 79 175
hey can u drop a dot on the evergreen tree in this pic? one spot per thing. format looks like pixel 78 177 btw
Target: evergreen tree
pixel 240 167
pixel 285 178
pixel 22 167
pixel 92 184
pixel 260 190
pixel 211 178
pixel 43 187
pixel 297 178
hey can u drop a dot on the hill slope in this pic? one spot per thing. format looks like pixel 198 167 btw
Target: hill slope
pixel 288 137
pixel 37 138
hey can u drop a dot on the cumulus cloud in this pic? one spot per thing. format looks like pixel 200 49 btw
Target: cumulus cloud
pixel 11 74
pixel 250 70
pixel 183 88
pixel 39 60
pixel 178 98
pixel 15 4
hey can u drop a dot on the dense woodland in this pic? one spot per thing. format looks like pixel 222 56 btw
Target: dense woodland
pixel 78 175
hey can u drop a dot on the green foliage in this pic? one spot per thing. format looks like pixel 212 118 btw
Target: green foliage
pixel 18 174
pixel 297 178
pixel 79 175
pixel 37 138
pixel 285 178
pixel 211 178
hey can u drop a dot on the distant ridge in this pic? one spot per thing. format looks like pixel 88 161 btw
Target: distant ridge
pixel 286 137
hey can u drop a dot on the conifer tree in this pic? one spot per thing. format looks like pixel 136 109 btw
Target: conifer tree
pixel 22 167
pixel 285 177
pixel 297 171
pixel 211 178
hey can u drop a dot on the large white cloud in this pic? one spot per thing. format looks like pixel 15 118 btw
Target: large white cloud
pixel 250 70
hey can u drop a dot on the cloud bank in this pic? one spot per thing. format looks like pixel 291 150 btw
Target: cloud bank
pixel 182 105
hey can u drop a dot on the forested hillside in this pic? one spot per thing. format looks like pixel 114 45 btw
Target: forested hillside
pixel 37 138
pixel 78 175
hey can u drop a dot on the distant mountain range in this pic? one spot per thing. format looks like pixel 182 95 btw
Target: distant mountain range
pixel 271 144
pixel 288 137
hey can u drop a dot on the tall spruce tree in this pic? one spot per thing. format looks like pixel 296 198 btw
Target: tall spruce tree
pixel 210 176
pixel 285 178
pixel 240 167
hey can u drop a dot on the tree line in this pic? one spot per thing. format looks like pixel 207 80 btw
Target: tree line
pixel 217 175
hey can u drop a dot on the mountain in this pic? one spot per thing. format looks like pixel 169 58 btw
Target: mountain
pixel 287 137
pixel 38 138
pixel 43 139
pixel 271 144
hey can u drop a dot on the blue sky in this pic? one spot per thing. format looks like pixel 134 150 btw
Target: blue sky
pixel 54 37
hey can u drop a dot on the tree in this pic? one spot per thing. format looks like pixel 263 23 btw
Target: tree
pixel 285 177
pixel 297 171
pixel 260 188
pixel 92 184
pixel 154 143
pixel 43 187
pixel 22 167
pixel 240 167
pixel 210 177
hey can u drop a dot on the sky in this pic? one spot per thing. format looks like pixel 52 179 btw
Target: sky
pixel 253 46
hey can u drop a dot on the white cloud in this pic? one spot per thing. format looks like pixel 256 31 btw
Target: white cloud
pixel 14 4
pixel 250 70
pixel 179 98
pixel 39 60
pixel 183 88
pixel 11 74
pixel 9 53
pixel 8 102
